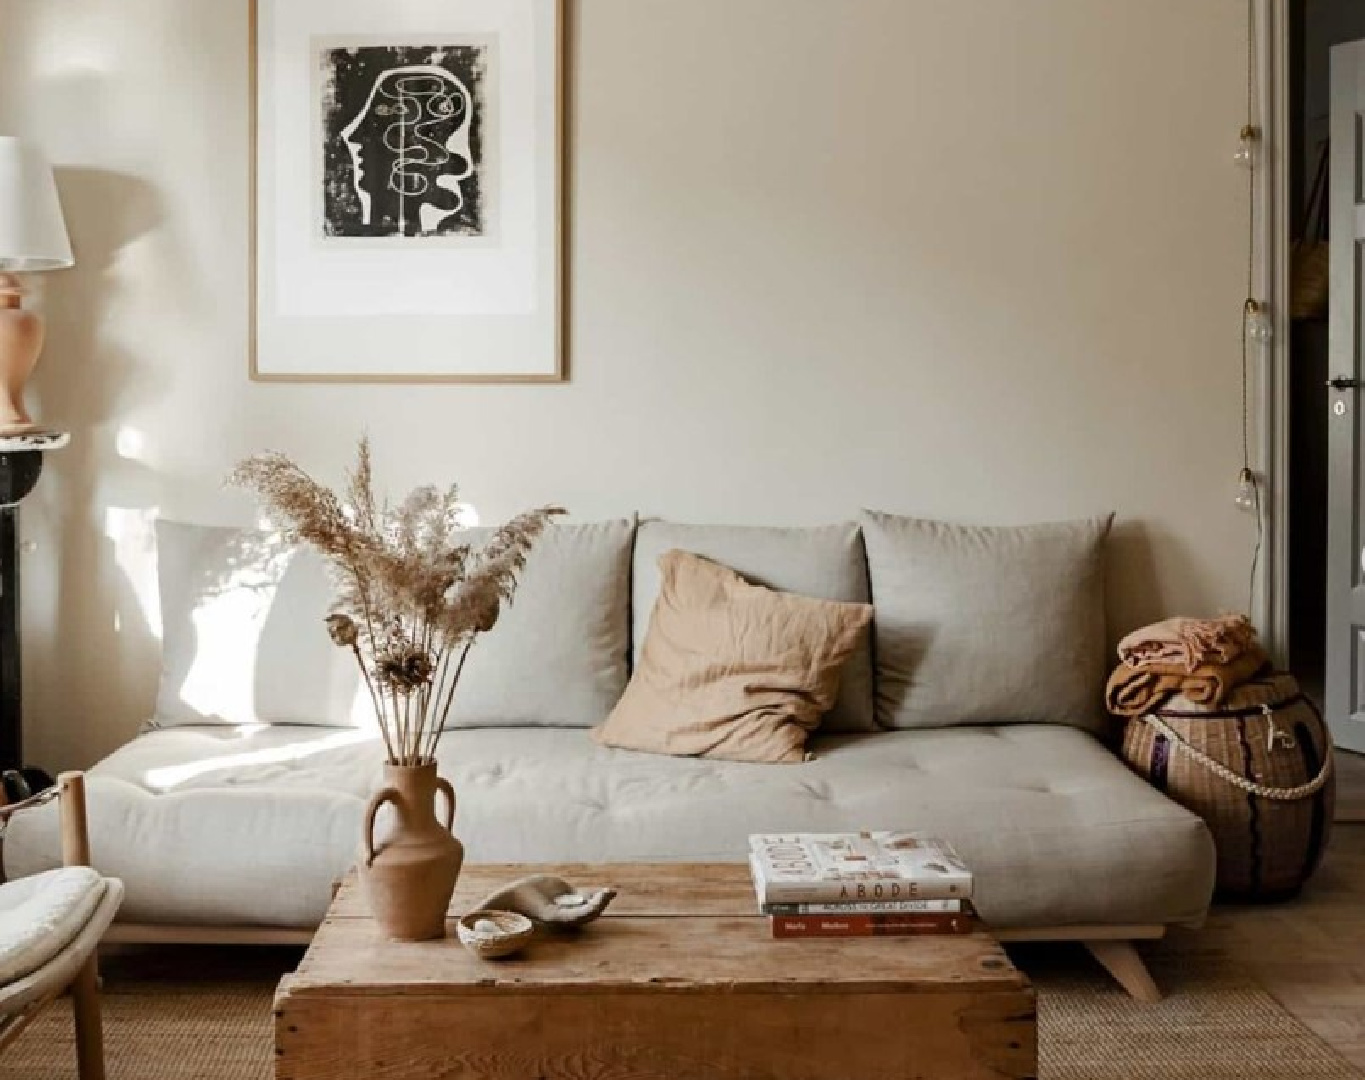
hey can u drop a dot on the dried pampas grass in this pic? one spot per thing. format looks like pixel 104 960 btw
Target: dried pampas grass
pixel 411 599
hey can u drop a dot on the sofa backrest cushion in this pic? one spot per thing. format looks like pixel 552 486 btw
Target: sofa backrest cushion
pixel 825 562
pixel 559 654
pixel 982 625
pixel 243 637
pixel 244 641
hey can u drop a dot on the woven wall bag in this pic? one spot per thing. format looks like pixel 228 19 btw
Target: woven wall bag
pixel 1258 770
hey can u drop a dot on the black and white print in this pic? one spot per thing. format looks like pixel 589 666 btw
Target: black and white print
pixel 403 128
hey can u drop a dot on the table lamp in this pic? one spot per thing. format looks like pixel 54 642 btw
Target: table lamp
pixel 32 238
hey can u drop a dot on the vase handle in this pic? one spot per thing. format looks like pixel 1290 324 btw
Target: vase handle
pixel 378 799
pixel 443 786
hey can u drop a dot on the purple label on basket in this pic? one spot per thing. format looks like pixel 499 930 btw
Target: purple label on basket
pixel 1161 756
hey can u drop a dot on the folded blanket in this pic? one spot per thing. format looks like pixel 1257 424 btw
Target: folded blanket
pixel 1188 644
pixel 1133 691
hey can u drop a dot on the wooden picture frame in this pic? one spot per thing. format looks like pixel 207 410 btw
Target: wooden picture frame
pixel 503 344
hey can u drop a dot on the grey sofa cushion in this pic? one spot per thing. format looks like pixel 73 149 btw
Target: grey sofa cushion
pixel 826 562
pixel 245 642
pixel 243 637
pixel 558 656
pixel 208 825
pixel 980 625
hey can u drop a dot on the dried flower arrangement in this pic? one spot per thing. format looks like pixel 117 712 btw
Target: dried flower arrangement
pixel 411 598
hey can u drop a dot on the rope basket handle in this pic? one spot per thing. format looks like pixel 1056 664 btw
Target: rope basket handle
pixel 1302 791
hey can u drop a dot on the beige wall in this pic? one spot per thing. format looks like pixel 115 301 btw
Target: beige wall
pixel 977 259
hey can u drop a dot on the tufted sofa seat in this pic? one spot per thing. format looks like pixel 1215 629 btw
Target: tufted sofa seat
pixel 241 826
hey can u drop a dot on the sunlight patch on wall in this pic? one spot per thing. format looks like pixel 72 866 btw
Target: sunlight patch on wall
pixel 131 532
pixel 226 624
pixel 130 443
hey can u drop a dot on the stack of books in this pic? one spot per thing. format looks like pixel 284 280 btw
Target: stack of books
pixel 860 884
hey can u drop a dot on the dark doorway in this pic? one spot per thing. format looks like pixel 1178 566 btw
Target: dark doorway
pixel 1315 26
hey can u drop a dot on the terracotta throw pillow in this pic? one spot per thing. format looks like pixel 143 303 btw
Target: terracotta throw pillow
pixel 731 670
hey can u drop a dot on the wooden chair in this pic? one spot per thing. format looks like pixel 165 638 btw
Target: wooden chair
pixel 75 967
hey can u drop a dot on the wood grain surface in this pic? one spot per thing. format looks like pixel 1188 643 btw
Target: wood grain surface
pixel 680 980
pixel 642 888
pixel 596 1036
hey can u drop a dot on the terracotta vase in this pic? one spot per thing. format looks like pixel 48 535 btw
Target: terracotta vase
pixel 21 340
pixel 409 878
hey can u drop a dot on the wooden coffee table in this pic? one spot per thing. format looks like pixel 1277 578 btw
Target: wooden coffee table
pixel 680 981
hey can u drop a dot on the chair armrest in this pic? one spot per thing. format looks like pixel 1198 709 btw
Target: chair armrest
pixel 75 830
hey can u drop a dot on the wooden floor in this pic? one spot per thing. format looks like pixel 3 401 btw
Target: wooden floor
pixel 1351 787
pixel 1309 953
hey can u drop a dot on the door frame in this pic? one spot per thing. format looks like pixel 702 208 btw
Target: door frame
pixel 1270 366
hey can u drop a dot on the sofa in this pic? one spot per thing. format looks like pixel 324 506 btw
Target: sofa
pixel 973 710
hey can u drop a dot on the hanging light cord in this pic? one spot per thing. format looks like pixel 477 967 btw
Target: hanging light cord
pixel 1251 308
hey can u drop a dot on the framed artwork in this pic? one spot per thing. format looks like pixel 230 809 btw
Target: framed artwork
pixel 407 191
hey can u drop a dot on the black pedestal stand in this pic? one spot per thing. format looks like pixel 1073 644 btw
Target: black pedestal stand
pixel 21 463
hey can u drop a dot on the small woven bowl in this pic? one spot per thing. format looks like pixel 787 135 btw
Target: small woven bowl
pixel 513 933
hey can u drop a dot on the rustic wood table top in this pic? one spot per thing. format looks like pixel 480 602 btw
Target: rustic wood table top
pixel 674 928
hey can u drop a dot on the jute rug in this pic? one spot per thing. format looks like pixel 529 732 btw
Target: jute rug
pixel 205 1015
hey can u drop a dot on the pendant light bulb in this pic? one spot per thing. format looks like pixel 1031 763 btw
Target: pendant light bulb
pixel 1259 329
pixel 1245 155
pixel 1248 499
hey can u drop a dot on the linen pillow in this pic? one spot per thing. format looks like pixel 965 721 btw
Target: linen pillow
pixel 558 655
pixel 979 625
pixel 732 670
pixel 824 561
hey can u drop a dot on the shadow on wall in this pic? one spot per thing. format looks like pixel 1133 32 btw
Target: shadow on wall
pixel 1134 594
pixel 101 648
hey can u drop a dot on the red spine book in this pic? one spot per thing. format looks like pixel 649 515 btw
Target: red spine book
pixel 811 926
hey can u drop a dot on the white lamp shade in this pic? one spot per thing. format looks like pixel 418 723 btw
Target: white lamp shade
pixel 32 231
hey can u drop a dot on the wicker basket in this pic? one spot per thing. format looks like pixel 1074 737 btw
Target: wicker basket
pixel 1258 771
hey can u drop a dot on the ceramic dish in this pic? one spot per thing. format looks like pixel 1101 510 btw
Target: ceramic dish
pixel 491 935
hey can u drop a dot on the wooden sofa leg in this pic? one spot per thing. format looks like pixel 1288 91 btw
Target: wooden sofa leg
pixel 85 1003
pixel 1121 960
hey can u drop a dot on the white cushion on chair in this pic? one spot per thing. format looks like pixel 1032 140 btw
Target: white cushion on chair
pixel 42 914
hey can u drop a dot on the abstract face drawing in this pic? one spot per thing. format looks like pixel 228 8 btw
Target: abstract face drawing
pixel 410 148
pixel 403 132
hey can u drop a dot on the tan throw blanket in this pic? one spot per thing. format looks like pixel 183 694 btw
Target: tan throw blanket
pixel 1133 691
pixel 1187 644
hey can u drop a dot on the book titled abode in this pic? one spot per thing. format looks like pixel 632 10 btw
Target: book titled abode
pixel 871 907
pixel 855 868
